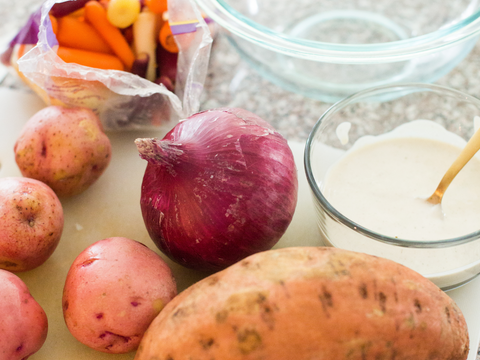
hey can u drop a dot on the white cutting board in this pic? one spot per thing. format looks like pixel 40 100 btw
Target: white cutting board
pixel 111 208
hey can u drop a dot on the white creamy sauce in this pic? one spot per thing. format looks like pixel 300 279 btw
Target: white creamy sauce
pixel 382 183
pixel 342 131
pixel 383 186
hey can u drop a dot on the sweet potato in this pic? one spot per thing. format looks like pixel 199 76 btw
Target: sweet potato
pixel 309 303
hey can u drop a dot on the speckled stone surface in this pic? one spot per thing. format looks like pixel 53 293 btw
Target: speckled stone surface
pixel 231 82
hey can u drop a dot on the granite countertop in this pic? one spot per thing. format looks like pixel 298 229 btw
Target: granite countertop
pixel 231 82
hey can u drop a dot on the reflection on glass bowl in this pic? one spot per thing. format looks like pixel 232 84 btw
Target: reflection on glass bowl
pixel 329 49
pixel 449 261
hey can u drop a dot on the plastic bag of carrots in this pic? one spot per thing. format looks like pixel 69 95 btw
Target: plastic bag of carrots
pixel 138 64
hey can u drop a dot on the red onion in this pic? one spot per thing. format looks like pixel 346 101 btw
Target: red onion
pixel 220 186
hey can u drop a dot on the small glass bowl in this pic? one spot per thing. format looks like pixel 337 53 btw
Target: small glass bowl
pixel 330 49
pixel 449 263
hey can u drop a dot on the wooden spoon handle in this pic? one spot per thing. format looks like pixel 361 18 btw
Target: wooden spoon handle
pixel 466 154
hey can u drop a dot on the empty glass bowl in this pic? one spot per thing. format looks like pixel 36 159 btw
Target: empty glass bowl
pixel 328 49
pixel 448 261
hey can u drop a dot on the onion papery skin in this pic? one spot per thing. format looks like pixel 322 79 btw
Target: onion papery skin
pixel 220 186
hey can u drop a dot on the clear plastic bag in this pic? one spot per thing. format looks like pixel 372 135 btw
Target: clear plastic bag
pixel 122 100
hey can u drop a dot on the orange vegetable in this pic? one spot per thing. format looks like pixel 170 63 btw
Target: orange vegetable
pixel 76 33
pixel 156 6
pixel 21 50
pixel 166 38
pixel 89 58
pixel 78 13
pixel 96 15
pixel 104 3
pixel 159 23
pixel 309 303
pixel 54 22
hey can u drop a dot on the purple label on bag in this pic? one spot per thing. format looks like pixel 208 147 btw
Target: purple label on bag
pixel 28 34
pixel 183 27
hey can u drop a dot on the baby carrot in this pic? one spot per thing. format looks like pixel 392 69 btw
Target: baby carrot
pixel 96 15
pixel 166 38
pixel 104 3
pixel 156 6
pixel 76 33
pixel 21 50
pixel 78 13
pixel 54 22
pixel 90 58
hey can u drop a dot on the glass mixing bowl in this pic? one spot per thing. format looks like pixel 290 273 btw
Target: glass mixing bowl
pixel 448 262
pixel 328 49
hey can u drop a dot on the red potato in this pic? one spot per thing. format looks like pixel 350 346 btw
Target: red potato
pixel 309 303
pixel 65 148
pixel 23 323
pixel 113 291
pixel 31 223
